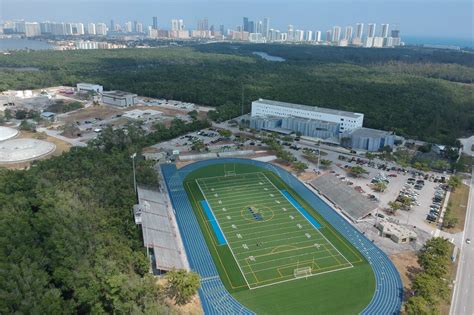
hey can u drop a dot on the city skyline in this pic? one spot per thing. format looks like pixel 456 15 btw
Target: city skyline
pixel 314 16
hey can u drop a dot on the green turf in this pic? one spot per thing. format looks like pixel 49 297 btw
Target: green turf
pixel 347 289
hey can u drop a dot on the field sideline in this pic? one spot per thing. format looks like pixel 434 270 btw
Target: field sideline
pixel 354 280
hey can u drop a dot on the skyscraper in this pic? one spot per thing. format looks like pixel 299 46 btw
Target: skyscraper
pixel 177 25
pixel 259 27
pixel 91 29
pixel 251 27
pixel 112 25
pixel 328 36
pixel 266 27
pixel 155 23
pixel 139 28
pixel 101 29
pixel 222 29
pixel 317 36
pixel 336 33
pixel 348 33
pixel 128 27
pixel 246 24
pixel 384 30
pixel 359 30
pixel 371 31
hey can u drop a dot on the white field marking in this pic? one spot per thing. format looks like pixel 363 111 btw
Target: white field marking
pixel 252 258
pixel 223 234
pixel 277 201
pixel 216 195
pixel 272 237
pixel 283 266
pixel 292 217
pixel 220 176
pixel 312 224
pixel 275 223
pixel 302 244
pixel 267 225
pixel 228 217
pixel 299 225
pixel 257 231
pixel 245 246
pixel 234 226
pixel 292 279
pixel 252 193
pixel 239 235
pixel 265 188
pixel 272 195
pixel 269 240
pixel 290 257
pixel 220 202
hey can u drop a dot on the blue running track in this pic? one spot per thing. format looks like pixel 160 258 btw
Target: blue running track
pixel 215 299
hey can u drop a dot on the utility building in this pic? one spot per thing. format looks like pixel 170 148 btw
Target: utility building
pixel 119 98
pixel 87 87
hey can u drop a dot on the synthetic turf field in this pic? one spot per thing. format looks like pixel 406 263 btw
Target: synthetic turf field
pixel 268 236
pixel 340 292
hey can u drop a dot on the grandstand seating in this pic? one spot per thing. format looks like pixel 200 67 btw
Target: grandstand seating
pixel 387 298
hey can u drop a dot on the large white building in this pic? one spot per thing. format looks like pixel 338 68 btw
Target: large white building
pixel 346 120
pixel 87 87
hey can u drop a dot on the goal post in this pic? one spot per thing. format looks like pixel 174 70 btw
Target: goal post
pixel 229 171
pixel 302 272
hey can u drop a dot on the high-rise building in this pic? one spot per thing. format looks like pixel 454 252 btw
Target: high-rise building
pixel 58 29
pixel 371 30
pixel 177 25
pixel 135 26
pixel 290 33
pixel 101 29
pixel 336 34
pixel 32 29
pixel 112 25
pixel 139 28
pixel 259 27
pixel 91 30
pixel 266 27
pixel 128 27
pixel 317 36
pixel 46 27
pixel 222 29
pixel 245 24
pixel 328 36
pixel 348 33
pixel 384 30
pixel 203 25
pixel 359 30
pixel 251 27
pixel 308 36
pixel 155 23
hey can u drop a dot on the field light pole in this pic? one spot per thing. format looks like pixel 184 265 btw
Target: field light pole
pixel 134 173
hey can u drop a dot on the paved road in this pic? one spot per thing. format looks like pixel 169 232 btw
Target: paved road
pixel 463 297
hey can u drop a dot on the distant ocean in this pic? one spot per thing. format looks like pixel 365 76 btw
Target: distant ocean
pixel 420 40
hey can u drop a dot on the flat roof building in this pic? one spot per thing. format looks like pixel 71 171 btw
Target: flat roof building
pixel 346 120
pixel 119 98
pixel 369 139
pixel 87 87
pixel 397 233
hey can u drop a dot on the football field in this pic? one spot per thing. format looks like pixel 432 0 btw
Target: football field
pixel 272 238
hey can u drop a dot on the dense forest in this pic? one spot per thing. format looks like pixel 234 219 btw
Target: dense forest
pixel 68 241
pixel 420 93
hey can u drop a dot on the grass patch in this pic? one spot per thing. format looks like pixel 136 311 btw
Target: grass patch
pixel 458 206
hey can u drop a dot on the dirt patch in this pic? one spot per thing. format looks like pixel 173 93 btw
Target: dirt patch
pixel 307 176
pixel 92 112
pixel 407 265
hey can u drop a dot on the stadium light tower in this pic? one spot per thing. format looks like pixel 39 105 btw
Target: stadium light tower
pixel 133 156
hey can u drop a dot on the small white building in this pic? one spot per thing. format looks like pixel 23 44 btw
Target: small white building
pixel 87 87
pixel 119 98
pixel 346 120
pixel 397 233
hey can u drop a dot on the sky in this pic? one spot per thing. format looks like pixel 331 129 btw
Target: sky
pixel 424 18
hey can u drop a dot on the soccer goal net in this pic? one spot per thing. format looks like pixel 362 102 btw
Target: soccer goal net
pixel 302 272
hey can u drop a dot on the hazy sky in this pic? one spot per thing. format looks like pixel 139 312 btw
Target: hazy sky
pixel 438 18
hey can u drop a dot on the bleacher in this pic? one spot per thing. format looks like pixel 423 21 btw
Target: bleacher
pixel 216 300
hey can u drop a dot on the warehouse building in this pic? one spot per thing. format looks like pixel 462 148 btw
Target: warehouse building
pixel 87 87
pixel 369 139
pixel 347 120
pixel 119 98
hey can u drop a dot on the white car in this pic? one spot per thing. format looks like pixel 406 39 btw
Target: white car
pixel 468 240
